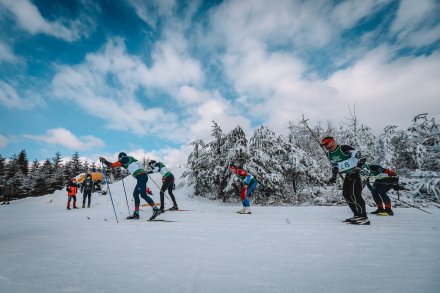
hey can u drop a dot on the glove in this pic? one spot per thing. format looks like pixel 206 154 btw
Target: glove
pixel 332 180
pixel 149 191
pixel 68 189
pixel 354 173
pixel 335 170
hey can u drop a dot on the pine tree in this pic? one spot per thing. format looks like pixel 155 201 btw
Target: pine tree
pixel 195 167
pixel 2 168
pixel 235 151
pixel 76 166
pixel 58 172
pixel 23 163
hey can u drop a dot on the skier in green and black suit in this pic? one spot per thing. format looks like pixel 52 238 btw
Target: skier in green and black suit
pixel 134 167
pixel 348 161
pixel 167 183
pixel 386 179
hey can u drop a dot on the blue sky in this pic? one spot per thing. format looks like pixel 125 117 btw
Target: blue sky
pixel 148 77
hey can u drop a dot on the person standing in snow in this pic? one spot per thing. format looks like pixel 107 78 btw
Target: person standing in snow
pixel 348 161
pixel 1 189
pixel 134 167
pixel 386 179
pixel 87 189
pixel 72 189
pixel 8 190
pixel 167 183
pixel 250 183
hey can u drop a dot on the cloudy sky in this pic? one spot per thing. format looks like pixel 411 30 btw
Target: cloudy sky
pixel 148 77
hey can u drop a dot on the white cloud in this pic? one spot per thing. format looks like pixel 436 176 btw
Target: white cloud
pixel 10 98
pixel 388 92
pixel 29 18
pixel 238 24
pixel 151 11
pixel 219 110
pixel 412 24
pixel 347 13
pixel 65 138
pixel 190 95
pixel 7 55
pixel 110 80
pixel 3 141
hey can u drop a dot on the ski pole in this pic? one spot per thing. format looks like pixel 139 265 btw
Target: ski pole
pixel 159 188
pixel 407 203
pixel 109 192
pixel 126 199
pixel 317 141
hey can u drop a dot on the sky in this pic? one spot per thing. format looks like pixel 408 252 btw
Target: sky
pixel 149 77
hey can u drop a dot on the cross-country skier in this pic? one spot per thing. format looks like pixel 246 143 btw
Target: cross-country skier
pixel 167 183
pixel 250 183
pixel 386 179
pixel 72 189
pixel 134 167
pixel 87 189
pixel 348 161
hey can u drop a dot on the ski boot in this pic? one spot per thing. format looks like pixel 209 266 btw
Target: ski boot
pixel 349 220
pixel 135 216
pixel 174 208
pixel 361 221
pixel 156 212
pixel 83 206
pixel 386 212
pixel 378 211
pixel 244 210
pixel 68 208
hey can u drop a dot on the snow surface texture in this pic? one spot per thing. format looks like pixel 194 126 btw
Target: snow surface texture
pixel 45 248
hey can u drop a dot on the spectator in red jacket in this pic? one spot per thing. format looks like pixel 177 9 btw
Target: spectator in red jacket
pixel 72 189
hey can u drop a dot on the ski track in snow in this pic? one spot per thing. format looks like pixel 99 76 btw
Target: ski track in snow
pixel 211 248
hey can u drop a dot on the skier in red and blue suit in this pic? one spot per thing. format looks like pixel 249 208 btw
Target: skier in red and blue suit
pixel 249 182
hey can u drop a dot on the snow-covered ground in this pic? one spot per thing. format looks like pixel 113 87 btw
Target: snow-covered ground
pixel 45 248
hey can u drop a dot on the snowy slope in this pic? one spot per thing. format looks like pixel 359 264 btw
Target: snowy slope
pixel 45 248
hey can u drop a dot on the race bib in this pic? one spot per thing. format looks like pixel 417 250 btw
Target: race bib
pixel 347 164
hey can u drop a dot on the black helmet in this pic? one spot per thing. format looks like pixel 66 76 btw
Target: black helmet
pixel 121 155
pixel 152 162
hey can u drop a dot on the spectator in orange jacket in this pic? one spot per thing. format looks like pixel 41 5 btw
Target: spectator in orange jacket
pixel 72 189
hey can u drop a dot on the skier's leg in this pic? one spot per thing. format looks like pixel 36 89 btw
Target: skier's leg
pixel 141 188
pixel 162 197
pixel 376 197
pixel 249 191
pixel 347 194
pixel 383 194
pixel 168 184
pixel 357 195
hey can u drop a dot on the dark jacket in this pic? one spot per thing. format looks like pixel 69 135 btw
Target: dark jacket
pixel 87 184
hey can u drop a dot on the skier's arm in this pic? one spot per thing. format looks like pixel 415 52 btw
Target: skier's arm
pixel 111 165
pixel 247 180
pixel 390 172
pixel 155 169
